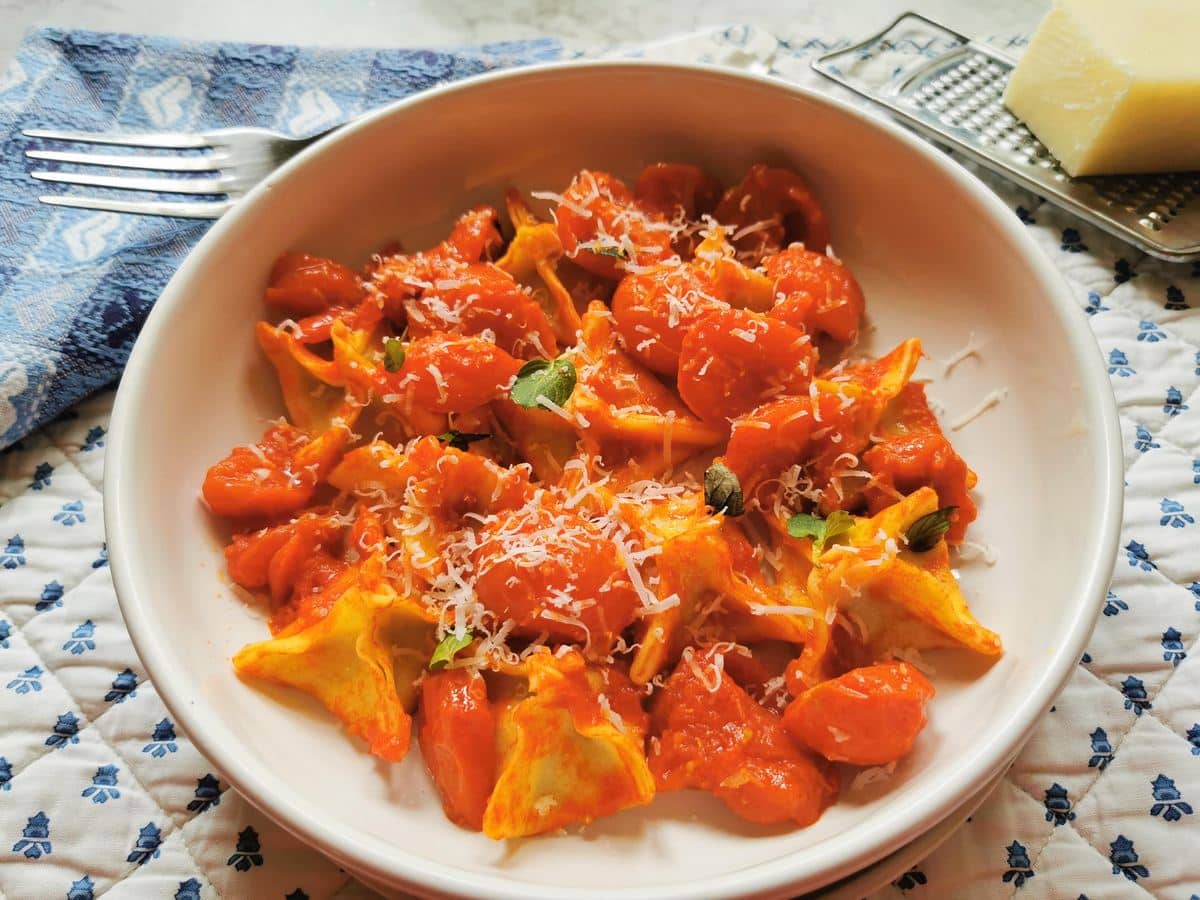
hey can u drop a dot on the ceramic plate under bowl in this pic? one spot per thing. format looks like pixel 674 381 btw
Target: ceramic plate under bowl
pixel 938 256
pixel 880 874
pixel 864 882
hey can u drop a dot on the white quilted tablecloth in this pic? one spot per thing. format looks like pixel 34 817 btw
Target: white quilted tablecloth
pixel 101 794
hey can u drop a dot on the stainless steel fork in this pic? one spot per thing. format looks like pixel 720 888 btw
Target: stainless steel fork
pixel 233 160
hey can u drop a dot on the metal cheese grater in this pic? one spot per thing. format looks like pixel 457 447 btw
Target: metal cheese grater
pixel 950 89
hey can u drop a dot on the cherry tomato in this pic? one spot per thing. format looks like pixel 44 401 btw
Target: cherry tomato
pixel 292 561
pixel 602 227
pixel 653 311
pixel 251 557
pixel 677 190
pixel 720 740
pixel 475 236
pixel 817 293
pixel 264 479
pixel 399 276
pixel 316 329
pixel 311 600
pixel 769 439
pixel 311 284
pixel 457 734
pixel 608 371
pixel 781 206
pixel 453 484
pixel 480 300
pixel 448 374
pixel 870 716
pixel 732 360
pixel 550 570
pixel 679 193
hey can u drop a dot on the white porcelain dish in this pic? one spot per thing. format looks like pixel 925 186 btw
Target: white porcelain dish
pixel 938 255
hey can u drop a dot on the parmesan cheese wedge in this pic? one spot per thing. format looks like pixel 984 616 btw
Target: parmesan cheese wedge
pixel 1112 87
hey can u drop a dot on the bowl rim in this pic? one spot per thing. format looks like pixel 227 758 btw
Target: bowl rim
pixel 871 840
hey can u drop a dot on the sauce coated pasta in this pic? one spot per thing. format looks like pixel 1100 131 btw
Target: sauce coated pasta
pixel 602 504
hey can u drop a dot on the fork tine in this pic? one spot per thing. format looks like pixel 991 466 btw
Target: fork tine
pixel 161 163
pixel 196 209
pixel 157 185
pixel 165 140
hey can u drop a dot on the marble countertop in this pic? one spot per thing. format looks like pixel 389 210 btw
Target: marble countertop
pixel 446 22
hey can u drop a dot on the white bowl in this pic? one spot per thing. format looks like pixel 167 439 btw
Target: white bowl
pixel 938 256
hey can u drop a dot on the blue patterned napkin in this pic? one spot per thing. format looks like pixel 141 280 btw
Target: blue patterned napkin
pixel 76 286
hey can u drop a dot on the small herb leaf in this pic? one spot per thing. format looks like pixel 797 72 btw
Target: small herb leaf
pixel 393 354
pixel 805 525
pixel 822 531
pixel 924 533
pixel 722 490
pixel 461 440
pixel 448 648
pixel 838 523
pixel 609 250
pixel 541 378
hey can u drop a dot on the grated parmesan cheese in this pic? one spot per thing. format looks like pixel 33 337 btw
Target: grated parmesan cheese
pixel 873 775
pixel 970 550
pixel 761 225
pixel 970 349
pixel 766 609
pixel 611 714
pixel 562 201
pixel 992 398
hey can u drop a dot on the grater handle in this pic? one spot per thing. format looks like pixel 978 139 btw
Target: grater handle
pixel 826 63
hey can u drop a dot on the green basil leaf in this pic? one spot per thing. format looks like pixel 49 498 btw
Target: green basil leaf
pixel 723 491
pixel 461 440
pixel 838 523
pixel 822 531
pixel 540 378
pixel 393 354
pixel 924 533
pixel 804 525
pixel 448 648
